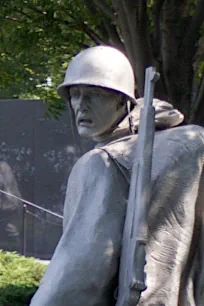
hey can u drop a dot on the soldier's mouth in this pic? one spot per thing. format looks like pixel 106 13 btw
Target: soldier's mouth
pixel 85 122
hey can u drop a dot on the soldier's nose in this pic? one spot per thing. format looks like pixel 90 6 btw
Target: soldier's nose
pixel 83 101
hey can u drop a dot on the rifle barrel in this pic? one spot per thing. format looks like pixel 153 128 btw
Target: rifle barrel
pixel 133 258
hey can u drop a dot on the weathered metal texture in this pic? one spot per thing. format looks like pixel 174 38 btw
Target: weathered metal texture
pixel 100 66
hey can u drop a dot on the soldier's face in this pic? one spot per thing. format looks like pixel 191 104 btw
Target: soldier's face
pixel 96 109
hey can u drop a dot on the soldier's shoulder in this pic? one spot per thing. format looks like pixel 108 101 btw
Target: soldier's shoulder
pixel 190 137
pixel 170 142
pixel 187 131
pixel 94 160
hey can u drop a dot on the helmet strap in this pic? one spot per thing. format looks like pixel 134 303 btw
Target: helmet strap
pixel 130 118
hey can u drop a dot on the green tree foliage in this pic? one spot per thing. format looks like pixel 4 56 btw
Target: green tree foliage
pixel 38 38
pixel 19 278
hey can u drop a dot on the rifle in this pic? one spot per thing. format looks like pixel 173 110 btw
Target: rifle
pixel 133 257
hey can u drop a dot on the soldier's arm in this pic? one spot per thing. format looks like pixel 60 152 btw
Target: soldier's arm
pixel 85 263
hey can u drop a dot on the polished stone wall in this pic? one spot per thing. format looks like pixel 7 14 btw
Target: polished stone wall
pixel 36 157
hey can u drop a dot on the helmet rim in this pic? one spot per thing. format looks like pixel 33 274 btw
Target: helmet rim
pixel 100 66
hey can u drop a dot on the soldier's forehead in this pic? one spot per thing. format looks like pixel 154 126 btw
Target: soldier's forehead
pixel 91 88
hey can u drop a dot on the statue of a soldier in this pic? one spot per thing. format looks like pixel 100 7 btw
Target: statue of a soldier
pixel 99 89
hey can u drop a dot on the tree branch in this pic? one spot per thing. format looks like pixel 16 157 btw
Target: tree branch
pixel 93 10
pixel 24 14
pixel 177 64
pixel 196 23
pixel 157 7
pixel 36 9
pixel 105 8
pixel 93 35
pixel 91 7
pixel 142 12
pixel 137 31
pixel 113 35
pixel 14 19
pixel 198 104
pixel 124 27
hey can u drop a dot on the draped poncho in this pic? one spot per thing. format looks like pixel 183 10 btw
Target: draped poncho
pixel 84 267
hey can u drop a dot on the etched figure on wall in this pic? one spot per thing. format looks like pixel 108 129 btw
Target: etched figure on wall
pixel 10 218
pixel 99 88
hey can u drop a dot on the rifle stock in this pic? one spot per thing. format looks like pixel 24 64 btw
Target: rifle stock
pixel 133 256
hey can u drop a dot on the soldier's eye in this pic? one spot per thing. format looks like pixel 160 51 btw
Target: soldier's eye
pixel 74 92
pixel 95 92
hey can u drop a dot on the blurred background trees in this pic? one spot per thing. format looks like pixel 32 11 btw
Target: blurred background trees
pixel 38 38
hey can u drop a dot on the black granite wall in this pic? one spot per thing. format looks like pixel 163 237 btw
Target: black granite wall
pixel 36 157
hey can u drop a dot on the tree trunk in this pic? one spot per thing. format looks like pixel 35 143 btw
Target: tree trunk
pixel 132 21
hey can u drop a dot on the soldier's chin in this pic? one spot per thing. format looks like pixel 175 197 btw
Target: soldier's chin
pixel 86 132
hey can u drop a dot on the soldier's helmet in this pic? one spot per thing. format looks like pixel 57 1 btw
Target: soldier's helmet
pixel 101 66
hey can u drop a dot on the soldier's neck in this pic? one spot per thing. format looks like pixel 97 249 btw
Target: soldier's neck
pixel 103 139
pixel 106 138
